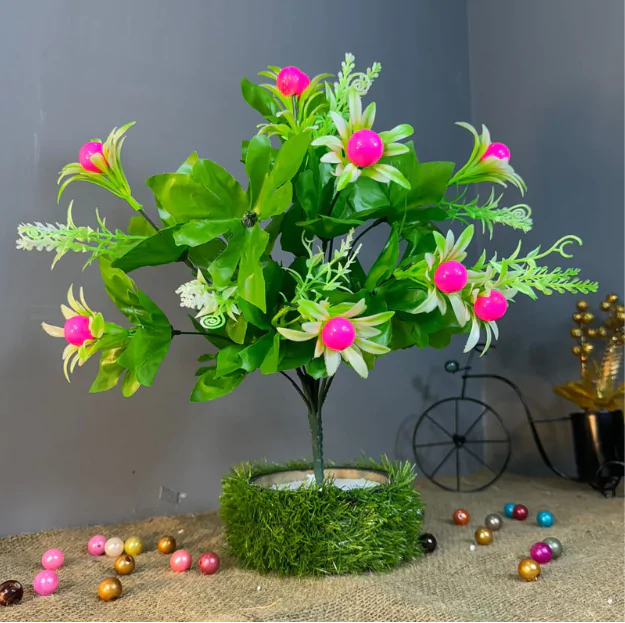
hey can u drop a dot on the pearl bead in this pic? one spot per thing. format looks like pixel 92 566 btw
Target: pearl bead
pixel 461 517
pixel 133 546
pixel 492 307
pixel 109 589
pixel 180 560
pixel 541 553
pixel 365 148
pixel 46 583
pixel 96 544
pixel 450 277
pixel 520 512
pixel 483 536
pixel 114 547
pixel 493 521
pixel 497 150
pixel 166 545
pixel 338 333
pixel 555 546
pixel 544 519
pixel 124 564
pixel 428 542
pixel 11 592
pixel 76 330
pixel 52 559
pixel 85 154
pixel 529 569
pixel 208 563
pixel 508 508
pixel 292 81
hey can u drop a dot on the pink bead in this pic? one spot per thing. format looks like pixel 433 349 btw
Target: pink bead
pixel 180 560
pixel 498 150
pixel 451 277
pixel 85 153
pixel 541 553
pixel 493 307
pixel 338 333
pixel 208 563
pixel 292 81
pixel 96 544
pixel 364 148
pixel 77 330
pixel 52 559
pixel 46 583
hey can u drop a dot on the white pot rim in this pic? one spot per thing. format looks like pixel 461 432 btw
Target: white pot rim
pixel 345 478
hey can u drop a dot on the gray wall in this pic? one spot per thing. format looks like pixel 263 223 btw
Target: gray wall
pixel 71 70
pixel 547 78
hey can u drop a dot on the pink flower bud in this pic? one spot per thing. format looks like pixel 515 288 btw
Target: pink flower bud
pixel 489 308
pixel 338 333
pixel 77 330
pixel 450 277
pixel 86 152
pixel 497 150
pixel 292 81
pixel 365 148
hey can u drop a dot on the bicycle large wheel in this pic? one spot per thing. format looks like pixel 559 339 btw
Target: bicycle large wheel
pixel 461 444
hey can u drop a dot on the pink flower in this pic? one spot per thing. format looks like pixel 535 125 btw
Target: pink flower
pixel 292 81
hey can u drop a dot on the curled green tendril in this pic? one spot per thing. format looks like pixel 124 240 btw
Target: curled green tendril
pixel 213 321
pixel 559 246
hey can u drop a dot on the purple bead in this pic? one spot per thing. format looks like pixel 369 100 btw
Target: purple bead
pixel 541 553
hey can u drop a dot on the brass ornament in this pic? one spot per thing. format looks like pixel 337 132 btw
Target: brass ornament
pixel 582 305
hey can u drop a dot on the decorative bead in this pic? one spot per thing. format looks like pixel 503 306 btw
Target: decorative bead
pixel 208 563
pixel 576 332
pixel 166 544
pixel 365 148
pixel 529 569
pixel 46 583
pixel 497 150
pixel 577 317
pixel 96 544
pixel 87 151
pixel 544 519
pixel 461 517
pixel 582 305
pixel 508 508
pixel 124 564
pixel 612 298
pixel 114 547
pixel 576 350
pixel 520 512
pixel 133 546
pixel 587 317
pixel 292 81
pixel 428 542
pixel 541 553
pixel 605 305
pixel 77 331
pixel 493 522
pixel 483 536
pixel 591 332
pixel 490 308
pixel 555 546
pixel 109 589
pixel 451 277
pixel 52 559
pixel 180 560
pixel 602 331
pixel 338 333
pixel 11 593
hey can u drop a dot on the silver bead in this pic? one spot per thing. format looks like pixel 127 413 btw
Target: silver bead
pixel 555 546
pixel 493 521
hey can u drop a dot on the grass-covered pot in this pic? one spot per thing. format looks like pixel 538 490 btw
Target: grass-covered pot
pixel 274 525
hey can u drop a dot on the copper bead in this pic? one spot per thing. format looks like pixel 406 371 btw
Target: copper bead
pixel 461 517
pixel 124 564
pixel 529 569
pixel 11 592
pixel 483 536
pixel 167 545
pixel 109 589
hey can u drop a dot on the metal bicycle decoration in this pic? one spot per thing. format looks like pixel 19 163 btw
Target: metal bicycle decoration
pixel 468 443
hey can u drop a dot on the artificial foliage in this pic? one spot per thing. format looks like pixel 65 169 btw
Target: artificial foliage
pixel 318 178
pixel 321 529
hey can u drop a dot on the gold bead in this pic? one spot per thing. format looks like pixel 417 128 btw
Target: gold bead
pixel 605 305
pixel 591 332
pixel 620 316
pixel 587 348
pixel 124 564
pixel 582 305
pixel 612 298
pixel 577 317
pixel 483 536
pixel 529 569
pixel 133 545
pixel 109 589
pixel 166 545
pixel 602 331
pixel 587 318
pixel 583 359
pixel 577 350
pixel 576 332
pixel 620 308
pixel 622 338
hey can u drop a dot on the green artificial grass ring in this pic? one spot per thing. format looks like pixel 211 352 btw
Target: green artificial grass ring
pixel 321 529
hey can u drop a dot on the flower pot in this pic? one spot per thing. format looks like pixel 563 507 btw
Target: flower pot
pixel 360 518
pixel 598 441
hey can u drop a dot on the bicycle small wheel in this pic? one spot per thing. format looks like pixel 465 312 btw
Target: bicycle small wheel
pixel 461 444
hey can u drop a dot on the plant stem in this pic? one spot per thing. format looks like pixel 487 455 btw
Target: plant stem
pixel 177 332
pixel 364 231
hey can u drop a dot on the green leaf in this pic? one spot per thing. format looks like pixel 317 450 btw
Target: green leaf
pixel 228 360
pixel 228 196
pixel 253 356
pixel 130 384
pixel 109 370
pixel 366 199
pixel 259 99
pixel 273 229
pixel 257 162
pixel 217 337
pixel 208 387
pixel 407 332
pixel 384 266
pixel 251 281
pixel 291 239
pixel 429 185
pixel 317 368
pixel 273 277
pixel 236 330
pixel 223 267
pixel 296 354
pixel 139 226
pixel 195 233
pixel 440 339
pixel 276 203
pixel 156 250
pixel 145 353
pixel 289 159
pixel 187 166
pixel 306 191
pixel 327 227
pixel 206 253
pixel 401 295
pixel 272 359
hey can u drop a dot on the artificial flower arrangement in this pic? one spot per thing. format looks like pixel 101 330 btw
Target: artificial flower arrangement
pixel 319 177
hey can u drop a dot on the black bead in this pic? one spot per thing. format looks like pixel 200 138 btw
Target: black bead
pixel 451 366
pixel 428 542
pixel 249 219
pixel 11 592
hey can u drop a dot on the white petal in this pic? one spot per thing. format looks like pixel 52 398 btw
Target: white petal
pixel 332 359
pixel 339 124
pixel 428 305
pixel 339 170
pixel 372 321
pixel 368 117
pixel 333 142
pixel 73 303
pixel 331 158
pixel 495 328
pixel 449 243
pixel 310 309
pixel 53 331
pixel 372 347
pixel 460 309
pixel 311 327
pixel 353 356
pixel 67 312
pixel 319 347
pixel 376 175
pixel 474 336
pixel 356 309
pixel 441 302
pixel 395 149
pixel 295 336
pixel 365 331
pixel 355 109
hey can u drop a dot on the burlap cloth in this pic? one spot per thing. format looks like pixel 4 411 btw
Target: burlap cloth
pixel 453 584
